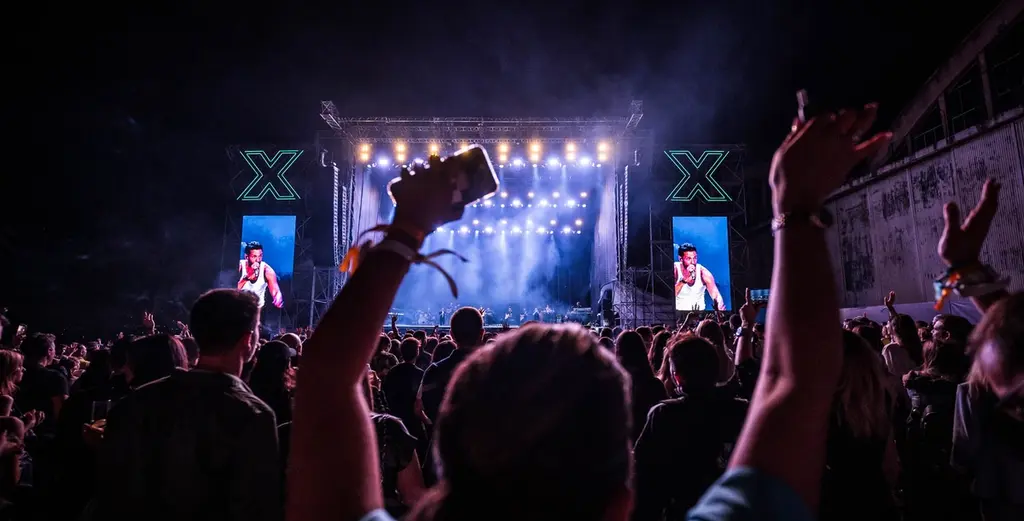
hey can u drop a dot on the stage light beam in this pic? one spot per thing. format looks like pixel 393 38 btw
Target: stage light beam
pixel 434 149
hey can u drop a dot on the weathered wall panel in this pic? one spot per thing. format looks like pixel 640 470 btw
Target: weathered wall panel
pixel 856 253
pixel 996 155
pixel 887 232
pixel 893 238
pixel 932 185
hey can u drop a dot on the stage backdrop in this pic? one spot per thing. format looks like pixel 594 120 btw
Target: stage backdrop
pixel 277 235
pixel 710 235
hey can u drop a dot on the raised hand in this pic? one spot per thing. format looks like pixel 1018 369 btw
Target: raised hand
pixel 815 158
pixel 961 242
pixel 426 199
pixel 749 309
pixel 889 300
pixel 147 321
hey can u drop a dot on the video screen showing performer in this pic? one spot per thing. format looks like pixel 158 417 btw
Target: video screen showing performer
pixel 268 256
pixel 701 268
pixel 257 276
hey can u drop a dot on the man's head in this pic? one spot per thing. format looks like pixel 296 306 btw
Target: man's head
pixel 410 349
pixel 254 253
pixel 39 349
pixel 467 327
pixel 688 255
pixel 225 322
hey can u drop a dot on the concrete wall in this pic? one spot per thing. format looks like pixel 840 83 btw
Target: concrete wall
pixel 888 225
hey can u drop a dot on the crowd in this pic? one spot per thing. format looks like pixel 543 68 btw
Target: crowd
pixel 713 418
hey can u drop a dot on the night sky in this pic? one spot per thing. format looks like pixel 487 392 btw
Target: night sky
pixel 114 198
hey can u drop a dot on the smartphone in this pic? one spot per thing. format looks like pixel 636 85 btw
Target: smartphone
pixel 759 295
pixel 475 176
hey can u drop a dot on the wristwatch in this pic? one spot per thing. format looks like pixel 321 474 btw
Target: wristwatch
pixel 821 218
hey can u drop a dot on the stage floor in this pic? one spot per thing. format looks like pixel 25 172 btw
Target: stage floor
pixel 444 328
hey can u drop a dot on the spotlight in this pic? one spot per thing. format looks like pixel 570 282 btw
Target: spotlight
pixel 553 161
pixel 534 158
pixel 535 147
pixel 517 162
pixel 463 145
pixel 570 147
pixel 553 222
pixel 584 161
pixel 364 148
pixel 364 157
pixel 601 157
pixel 434 149
pixel 504 222
pixel 504 195
pixel 383 161
pixel 516 229
pixel 566 230
pixel 602 146
pixel 476 222
pixel 488 203
pixel 570 156
pixel 418 161
pixel 488 230
pixel 555 195
pixel 579 222
pixel 502 159
pixel 529 194
pixel 543 202
pixel 541 229
pixel 529 222
pixel 464 229
pixel 570 203
pixel 400 158
pixel 503 148
pixel 516 203
pixel 583 195
pixel 440 228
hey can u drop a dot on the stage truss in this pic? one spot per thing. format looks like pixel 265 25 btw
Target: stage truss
pixel 630 144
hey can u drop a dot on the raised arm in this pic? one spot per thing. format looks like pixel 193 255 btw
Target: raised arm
pixel 785 432
pixel 961 242
pixel 273 287
pixel 333 469
pixel 716 296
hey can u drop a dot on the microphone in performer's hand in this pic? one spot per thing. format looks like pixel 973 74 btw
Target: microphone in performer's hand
pixel 691 268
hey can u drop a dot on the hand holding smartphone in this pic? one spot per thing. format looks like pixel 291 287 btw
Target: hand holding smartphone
pixel 470 168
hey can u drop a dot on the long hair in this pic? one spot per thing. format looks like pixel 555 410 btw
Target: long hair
pixel 631 352
pixel 1000 329
pixel 657 352
pixel 862 398
pixel 10 363
pixel 904 329
pixel 556 448
pixel 712 332
pixel 946 359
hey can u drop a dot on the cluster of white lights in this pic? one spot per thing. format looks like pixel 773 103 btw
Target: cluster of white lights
pixel 529 226
pixel 541 202
pixel 535 155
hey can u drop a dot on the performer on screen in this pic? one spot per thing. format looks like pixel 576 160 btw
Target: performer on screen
pixel 692 280
pixel 257 276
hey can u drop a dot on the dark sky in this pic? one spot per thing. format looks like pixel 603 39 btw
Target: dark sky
pixel 124 117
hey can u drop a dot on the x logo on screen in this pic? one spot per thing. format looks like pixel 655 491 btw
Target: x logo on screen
pixel 698 176
pixel 269 175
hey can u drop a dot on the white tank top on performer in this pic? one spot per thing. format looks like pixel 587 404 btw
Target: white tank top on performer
pixel 260 286
pixel 690 297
